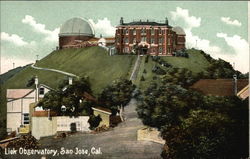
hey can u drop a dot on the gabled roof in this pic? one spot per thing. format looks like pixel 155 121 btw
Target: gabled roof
pixel 18 93
pixel 21 93
pixel 48 87
pixel 219 87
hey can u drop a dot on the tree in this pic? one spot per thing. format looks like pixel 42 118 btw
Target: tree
pixel 165 105
pixel 117 95
pixel 94 121
pixel 203 134
pixel 196 126
pixel 70 96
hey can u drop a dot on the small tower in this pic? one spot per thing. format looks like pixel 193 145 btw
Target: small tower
pixel 121 21
pixel 166 21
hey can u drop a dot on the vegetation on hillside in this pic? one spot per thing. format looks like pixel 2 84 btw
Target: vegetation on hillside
pixel 196 126
pixel 116 95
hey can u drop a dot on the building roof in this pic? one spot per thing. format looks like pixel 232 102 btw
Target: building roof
pixel 101 109
pixel 76 27
pixel 244 93
pixel 179 30
pixel 18 93
pixel 219 87
pixel 146 23
pixel 44 113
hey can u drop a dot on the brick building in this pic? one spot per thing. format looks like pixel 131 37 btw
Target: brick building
pixel 148 37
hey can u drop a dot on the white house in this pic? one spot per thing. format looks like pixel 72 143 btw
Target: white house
pixel 18 105
pixel 47 123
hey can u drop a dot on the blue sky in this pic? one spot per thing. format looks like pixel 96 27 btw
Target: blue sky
pixel 31 28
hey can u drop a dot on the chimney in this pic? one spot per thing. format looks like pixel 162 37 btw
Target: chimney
pixel 121 21
pixel 166 21
pixel 235 84
pixel 70 80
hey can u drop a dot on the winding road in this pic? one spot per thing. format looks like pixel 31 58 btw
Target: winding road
pixel 54 70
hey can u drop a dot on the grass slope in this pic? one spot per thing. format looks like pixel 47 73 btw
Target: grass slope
pixel 196 63
pixel 93 62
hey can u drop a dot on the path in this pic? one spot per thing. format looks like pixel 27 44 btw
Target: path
pixel 135 69
pixel 54 70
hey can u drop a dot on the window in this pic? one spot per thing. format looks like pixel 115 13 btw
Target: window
pixel 126 31
pixel 134 32
pixel 160 31
pixel 26 118
pixel 160 50
pixel 168 41
pixel 144 39
pixel 41 91
pixel 126 49
pixel 152 31
pixel 134 40
pixel 160 40
pixel 152 40
pixel 126 40
pixel 143 31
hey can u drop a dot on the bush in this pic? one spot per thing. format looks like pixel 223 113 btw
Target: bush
pixel 94 121
pixel 144 71
pixel 142 78
pixel 158 70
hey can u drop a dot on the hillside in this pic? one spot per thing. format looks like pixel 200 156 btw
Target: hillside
pixel 101 69
pixel 7 75
pixel 93 62
pixel 195 63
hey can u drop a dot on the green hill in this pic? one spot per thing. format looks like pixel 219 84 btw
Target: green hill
pixel 93 62
pixel 195 63
pixel 5 76
pixel 101 69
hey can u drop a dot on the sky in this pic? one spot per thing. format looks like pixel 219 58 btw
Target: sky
pixel 31 28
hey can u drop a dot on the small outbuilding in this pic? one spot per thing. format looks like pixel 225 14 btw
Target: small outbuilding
pixel 104 114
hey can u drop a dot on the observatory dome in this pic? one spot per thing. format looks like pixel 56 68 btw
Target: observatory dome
pixel 179 30
pixel 76 27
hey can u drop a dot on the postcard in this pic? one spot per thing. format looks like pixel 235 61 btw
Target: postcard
pixel 124 79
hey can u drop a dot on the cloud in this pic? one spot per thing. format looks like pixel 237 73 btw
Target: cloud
pixel 191 22
pixel 13 38
pixel 228 21
pixel 240 47
pixel 51 36
pixel 183 14
pixel 104 27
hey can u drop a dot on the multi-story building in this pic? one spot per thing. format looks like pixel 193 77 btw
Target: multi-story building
pixel 148 37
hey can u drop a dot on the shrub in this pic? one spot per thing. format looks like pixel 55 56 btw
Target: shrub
pixel 142 78
pixel 94 121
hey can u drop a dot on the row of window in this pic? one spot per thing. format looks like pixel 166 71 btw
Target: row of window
pixel 144 39
pixel 143 31
pixel 126 50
